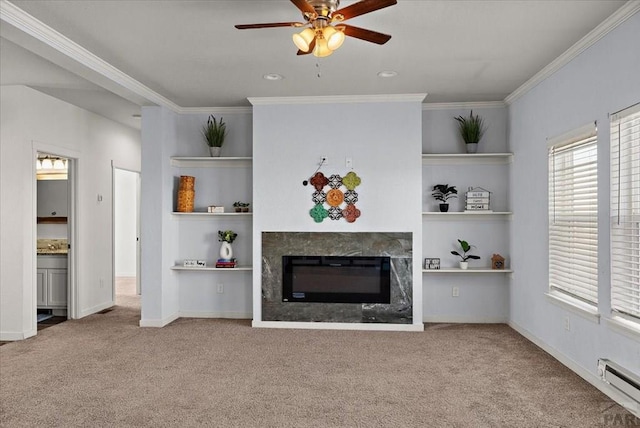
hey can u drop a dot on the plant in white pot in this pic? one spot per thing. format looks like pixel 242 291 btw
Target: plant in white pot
pixel 226 237
pixel 214 133
pixel 465 247
pixel 471 130
pixel 442 193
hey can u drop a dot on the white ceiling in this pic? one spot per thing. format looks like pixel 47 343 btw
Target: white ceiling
pixel 188 53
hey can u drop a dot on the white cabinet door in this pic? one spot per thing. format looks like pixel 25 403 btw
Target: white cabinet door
pixel 41 287
pixel 52 198
pixel 57 288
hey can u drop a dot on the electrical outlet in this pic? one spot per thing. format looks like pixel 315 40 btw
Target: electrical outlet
pixel 220 288
pixel 455 292
pixel 567 324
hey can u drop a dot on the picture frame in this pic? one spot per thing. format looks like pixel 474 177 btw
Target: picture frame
pixel 432 263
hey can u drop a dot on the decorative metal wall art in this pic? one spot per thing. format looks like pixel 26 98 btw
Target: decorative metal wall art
pixel 338 193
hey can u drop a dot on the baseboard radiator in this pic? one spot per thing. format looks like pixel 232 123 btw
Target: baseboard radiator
pixel 620 378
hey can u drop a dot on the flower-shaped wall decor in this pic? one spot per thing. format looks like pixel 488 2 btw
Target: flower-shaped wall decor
pixel 338 193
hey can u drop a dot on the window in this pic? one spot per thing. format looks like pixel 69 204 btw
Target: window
pixel 625 212
pixel 573 215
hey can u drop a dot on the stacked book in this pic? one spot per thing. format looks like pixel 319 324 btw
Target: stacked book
pixel 226 263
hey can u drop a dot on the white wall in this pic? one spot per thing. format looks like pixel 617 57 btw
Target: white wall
pixel 125 221
pixel 600 81
pixel 382 138
pixel 31 121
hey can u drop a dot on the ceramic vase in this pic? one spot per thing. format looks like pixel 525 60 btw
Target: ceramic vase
pixel 464 265
pixel 215 151
pixel 226 252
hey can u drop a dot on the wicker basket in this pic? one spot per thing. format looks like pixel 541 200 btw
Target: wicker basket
pixel 186 194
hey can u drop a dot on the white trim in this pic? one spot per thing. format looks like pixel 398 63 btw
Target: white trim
pixel 11 336
pixel 448 319
pixel 582 309
pixel 337 326
pixel 338 99
pixel 590 377
pixel 624 327
pixel 94 309
pixel 217 314
pixel 585 131
pixel 464 105
pixel 215 110
pixel 618 17
pixel 155 322
pixel 26 23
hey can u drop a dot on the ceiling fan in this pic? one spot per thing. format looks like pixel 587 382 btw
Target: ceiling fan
pixel 325 31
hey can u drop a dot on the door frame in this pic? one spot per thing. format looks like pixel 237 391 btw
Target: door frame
pixel 73 159
pixel 114 167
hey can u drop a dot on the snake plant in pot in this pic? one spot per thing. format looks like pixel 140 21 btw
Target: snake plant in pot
pixel 465 247
pixel 471 130
pixel 214 133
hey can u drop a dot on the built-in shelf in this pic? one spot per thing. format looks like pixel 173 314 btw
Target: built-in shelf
pixel 466 158
pixel 203 215
pixel 473 270
pixel 210 162
pixel 198 269
pixel 51 220
pixel 465 215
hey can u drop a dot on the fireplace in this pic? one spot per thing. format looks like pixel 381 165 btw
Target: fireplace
pixel 336 279
pixel 393 250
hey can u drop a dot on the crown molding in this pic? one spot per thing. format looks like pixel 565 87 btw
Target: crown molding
pixel 338 99
pixel 466 105
pixel 214 110
pixel 618 17
pixel 26 23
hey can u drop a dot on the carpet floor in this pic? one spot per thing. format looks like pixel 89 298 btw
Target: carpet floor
pixel 105 371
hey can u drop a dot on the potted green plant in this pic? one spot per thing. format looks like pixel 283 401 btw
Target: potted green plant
pixel 241 206
pixel 226 237
pixel 465 247
pixel 471 130
pixel 214 133
pixel 442 193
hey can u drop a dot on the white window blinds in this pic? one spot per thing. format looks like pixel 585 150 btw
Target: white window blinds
pixel 573 215
pixel 625 212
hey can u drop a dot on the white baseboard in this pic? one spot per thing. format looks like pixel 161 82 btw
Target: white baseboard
pixel 159 322
pixel 464 320
pixel 585 374
pixel 11 336
pixel 337 326
pixel 97 308
pixel 228 315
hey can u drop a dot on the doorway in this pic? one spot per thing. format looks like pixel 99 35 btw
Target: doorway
pixel 55 192
pixel 126 232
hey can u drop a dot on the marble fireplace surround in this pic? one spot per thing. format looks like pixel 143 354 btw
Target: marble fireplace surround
pixel 397 245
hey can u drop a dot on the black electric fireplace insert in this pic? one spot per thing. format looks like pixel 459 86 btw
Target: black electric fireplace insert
pixel 336 279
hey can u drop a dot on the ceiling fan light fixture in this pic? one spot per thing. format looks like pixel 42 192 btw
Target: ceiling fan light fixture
pixel 303 39
pixel 322 48
pixel 333 36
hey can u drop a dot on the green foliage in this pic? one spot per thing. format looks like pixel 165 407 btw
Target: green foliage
pixel 214 132
pixel 466 247
pixel 442 192
pixel 227 236
pixel 471 128
pixel 239 204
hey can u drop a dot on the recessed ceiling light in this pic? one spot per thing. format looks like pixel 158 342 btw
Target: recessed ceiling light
pixel 273 76
pixel 388 73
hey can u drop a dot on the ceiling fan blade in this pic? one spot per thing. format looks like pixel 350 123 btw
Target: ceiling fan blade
pixel 364 34
pixel 304 6
pixel 362 7
pixel 269 25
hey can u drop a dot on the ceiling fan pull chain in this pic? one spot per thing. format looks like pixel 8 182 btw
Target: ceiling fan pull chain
pixel 319 75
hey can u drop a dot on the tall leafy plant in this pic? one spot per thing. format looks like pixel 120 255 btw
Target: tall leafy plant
pixel 214 132
pixel 471 128
pixel 465 247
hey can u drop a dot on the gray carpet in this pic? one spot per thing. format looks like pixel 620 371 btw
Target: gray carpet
pixel 104 370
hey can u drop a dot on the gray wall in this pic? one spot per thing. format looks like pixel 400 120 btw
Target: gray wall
pixel 603 79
